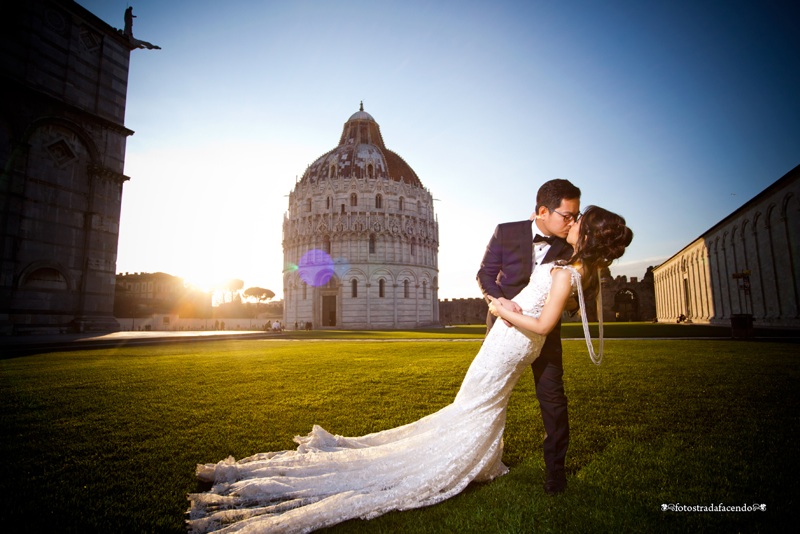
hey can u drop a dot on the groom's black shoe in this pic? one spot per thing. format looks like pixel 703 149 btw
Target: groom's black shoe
pixel 556 482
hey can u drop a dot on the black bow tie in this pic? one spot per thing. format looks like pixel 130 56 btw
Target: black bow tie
pixel 538 238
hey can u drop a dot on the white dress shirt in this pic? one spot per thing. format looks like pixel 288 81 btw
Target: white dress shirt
pixel 539 249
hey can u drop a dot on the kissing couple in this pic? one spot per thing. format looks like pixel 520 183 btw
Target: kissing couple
pixel 531 272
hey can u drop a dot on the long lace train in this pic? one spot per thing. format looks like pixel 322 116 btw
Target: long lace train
pixel 330 478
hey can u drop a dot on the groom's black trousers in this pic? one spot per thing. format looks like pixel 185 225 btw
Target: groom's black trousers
pixel 548 373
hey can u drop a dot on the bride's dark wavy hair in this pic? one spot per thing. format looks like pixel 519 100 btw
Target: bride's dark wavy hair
pixel 603 238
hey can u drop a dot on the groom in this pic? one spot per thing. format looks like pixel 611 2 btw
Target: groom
pixel 514 251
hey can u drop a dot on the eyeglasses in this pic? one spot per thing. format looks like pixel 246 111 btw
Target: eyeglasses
pixel 569 217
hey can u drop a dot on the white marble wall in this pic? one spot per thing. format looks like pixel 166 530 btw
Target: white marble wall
pixel 761 238
pixel 386 236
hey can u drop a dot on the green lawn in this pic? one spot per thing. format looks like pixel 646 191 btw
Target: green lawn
pixel 107 440
pixel 568 330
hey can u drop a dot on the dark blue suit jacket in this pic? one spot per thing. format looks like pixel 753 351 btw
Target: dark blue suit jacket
pixel 508 263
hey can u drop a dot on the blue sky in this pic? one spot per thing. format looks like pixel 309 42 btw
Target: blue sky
pixel 672 113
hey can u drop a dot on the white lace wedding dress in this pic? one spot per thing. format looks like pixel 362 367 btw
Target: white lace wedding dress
pixel 330 479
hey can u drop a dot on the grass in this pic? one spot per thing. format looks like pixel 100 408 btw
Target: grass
pixel 568 330
pixel 107 440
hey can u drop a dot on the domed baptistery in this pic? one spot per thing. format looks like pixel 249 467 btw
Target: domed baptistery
pixel 360 239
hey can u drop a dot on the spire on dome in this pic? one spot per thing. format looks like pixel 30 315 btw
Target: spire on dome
pixel 361 114
pixel 361 146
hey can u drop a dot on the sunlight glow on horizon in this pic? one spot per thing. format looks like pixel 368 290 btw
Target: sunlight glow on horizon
pixel 657 111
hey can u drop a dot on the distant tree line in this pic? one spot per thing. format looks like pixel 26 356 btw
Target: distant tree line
pixel 169 295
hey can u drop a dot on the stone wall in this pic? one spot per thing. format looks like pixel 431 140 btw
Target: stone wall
pixel 627 299
pixel 175 323
pixel 463 311
pixel 623 300
pixel 63 83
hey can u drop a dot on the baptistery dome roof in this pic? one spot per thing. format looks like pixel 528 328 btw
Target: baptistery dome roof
pixel 361 154
pixel 361 115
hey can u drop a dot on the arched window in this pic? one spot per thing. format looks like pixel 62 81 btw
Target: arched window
pixel 328 203
pixel 353 199
pixel 768 220
pixel 322 277
pixel 402 203
pixel 308 204
pixel 46 278
pixel 405 289
pixel 424 289
pixel 342 208
pixel 333 171
pixel 372 243
pixel 378 201
pixel 327 244
pixel 381 288
pixel 370 171
pixel 413 247
pixel 354 288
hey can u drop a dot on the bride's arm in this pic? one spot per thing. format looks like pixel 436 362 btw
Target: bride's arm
pixel 560 291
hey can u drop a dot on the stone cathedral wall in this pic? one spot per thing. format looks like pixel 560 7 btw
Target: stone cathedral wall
pixel 63 83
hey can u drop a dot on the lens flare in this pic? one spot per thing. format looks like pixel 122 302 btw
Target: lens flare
pixel 316 267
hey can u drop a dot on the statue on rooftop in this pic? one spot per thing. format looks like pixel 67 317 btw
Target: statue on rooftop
pixel 128 32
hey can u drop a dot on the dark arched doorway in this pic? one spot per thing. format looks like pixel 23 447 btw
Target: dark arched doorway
pixel 626 305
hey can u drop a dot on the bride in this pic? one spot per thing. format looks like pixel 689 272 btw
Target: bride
pixel 330 478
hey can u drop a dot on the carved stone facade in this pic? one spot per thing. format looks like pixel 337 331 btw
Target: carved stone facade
pixel 360 239
pixel 63 86
pixel 746 265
